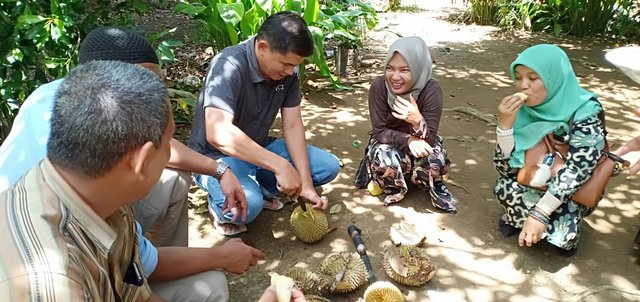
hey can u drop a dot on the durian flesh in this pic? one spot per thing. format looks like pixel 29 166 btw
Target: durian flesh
pixel 343 273
pixel 309 226
pixel 383 291
pixel 416 264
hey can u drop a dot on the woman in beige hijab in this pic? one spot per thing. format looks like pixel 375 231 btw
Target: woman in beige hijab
pixel 405 106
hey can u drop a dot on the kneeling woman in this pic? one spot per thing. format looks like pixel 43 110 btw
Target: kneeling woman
pixel 553 103
pixel 405 105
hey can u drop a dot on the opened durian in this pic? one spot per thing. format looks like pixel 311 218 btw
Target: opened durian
pixel 309 226
pixel 409 265
pixel 383 291
pixel 342 273
pixel 404 233
pixel 305 280
pixel 313 298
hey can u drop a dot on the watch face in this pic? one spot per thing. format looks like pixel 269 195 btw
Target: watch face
pixel 222 167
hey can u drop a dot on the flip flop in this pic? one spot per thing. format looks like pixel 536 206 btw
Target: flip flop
pixel 273 205
pixel 239 229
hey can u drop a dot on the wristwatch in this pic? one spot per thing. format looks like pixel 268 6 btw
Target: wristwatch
pixel 222 167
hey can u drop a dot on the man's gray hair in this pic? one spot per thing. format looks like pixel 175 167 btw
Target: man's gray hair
pixel 102 111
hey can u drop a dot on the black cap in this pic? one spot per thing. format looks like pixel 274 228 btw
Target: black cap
pixel 116 44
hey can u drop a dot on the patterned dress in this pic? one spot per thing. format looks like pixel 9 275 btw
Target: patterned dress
pixel 586 144
pixel 390 166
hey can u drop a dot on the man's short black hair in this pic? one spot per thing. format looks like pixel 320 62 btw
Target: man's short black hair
pixel 287 32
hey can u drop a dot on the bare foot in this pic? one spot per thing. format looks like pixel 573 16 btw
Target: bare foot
pixel 273 204
pixel 230 229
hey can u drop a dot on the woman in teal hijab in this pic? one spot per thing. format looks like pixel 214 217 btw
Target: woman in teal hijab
pixel 549 96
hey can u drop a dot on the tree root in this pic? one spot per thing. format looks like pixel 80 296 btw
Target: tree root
pixel 485 117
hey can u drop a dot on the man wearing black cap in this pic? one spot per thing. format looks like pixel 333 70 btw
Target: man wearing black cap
pixel 163 212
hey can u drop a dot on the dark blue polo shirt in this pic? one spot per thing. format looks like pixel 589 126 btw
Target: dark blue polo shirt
pixel 234 84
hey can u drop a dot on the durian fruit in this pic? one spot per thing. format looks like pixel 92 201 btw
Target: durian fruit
pixel 309 226
pixel 522 96
pixel 404 233
pixel 313 298
pixel 342 273
pixel 409 265
pixel 383 291
pixel 305 280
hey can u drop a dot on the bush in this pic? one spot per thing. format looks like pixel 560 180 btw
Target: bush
pixel 39 42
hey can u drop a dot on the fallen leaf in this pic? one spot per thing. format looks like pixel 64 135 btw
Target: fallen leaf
pixel 335 209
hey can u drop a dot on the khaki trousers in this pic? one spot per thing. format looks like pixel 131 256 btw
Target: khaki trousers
pixel 210 286
pixel 163 213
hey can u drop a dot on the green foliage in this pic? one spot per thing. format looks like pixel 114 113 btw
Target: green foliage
pixel 573 17
pixel 516 14
pixel 483 11
pixel 39 42
pixel 230 21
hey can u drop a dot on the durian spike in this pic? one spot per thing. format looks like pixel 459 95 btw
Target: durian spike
pixel 383 291
pixel 313 298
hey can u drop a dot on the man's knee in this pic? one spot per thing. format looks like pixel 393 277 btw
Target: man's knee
pixel 326 167
pixel 255 204
pixel 210 286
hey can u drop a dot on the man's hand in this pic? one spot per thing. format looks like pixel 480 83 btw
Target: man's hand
pixel 235 201
pixel 531 233
pixel 507 111
pixel 317 201
pixel 269 295
pixel 288 180
pixel 238 257
pixel 632 145
pixel 419 147
pixel 407 110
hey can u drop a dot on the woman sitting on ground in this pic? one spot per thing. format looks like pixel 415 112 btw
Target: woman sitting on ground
pixel 552 99
pixel 405 105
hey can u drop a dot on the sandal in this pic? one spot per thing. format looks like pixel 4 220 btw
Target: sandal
pixel 235 230
pixel 273 204
pixel 441 197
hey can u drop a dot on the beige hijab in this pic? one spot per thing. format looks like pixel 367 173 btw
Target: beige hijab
pixel 415 51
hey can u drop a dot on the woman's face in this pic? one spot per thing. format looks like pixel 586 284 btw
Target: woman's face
pixel 398 75
pixel 530 83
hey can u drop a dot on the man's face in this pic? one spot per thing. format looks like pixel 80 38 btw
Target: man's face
pixel 274 65
pixel 155 68
pixel 157 158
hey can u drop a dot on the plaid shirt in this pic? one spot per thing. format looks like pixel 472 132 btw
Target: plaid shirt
pixel 55 248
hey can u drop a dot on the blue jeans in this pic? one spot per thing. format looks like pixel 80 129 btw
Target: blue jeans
pixel 259 183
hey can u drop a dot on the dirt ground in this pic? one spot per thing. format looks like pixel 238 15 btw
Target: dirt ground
pixel 474 262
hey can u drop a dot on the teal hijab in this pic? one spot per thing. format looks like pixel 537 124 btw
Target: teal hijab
pixel 564 97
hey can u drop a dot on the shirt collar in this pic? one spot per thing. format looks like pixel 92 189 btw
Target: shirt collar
pixel 254 68
pixel 95 227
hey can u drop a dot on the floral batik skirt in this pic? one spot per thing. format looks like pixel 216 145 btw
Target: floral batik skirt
pixel 390 167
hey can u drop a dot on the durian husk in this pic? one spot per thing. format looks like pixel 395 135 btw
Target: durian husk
pixel 383 291
pixel 309 226
pixel 304 279
pixel 342 273
pixel 312 298
pixel 409 265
